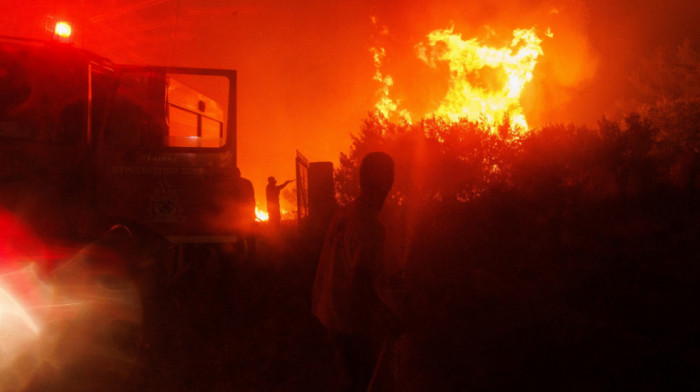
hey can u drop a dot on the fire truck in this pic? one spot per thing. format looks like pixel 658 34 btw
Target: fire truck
pixel 133 165
pixel 86 143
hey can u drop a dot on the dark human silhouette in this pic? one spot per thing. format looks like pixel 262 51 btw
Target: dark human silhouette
pixel 272 192
pixel 244 199
pixel 346 294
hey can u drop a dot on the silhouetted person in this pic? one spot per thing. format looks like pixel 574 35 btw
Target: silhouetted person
pixel 346 297
pixel 244 198
pixel 272 192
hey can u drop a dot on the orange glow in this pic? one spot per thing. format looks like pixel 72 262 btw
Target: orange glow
pixel 485 83
pixel 63 30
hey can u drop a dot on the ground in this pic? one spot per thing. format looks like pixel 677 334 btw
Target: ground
pixel 218 321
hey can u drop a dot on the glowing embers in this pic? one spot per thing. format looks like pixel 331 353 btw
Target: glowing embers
pixel 261 215
pixel 485 83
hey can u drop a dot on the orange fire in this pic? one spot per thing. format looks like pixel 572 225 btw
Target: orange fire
pixel 386 105
pixel 485 82
pixel 261 215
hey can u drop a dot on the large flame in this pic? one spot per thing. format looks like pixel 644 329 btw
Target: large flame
pixel 485 82
pixel 386 106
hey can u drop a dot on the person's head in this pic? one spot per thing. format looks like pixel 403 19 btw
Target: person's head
pixel 271 180
pixel 236 172
pixel 376 177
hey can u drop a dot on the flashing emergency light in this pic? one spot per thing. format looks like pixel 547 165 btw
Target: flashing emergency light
pixel 63 31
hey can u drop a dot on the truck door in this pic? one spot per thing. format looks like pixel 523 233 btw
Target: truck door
pixel 167 150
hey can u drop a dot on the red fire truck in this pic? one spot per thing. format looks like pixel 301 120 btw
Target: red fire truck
pixel 86 143
pixel 114 159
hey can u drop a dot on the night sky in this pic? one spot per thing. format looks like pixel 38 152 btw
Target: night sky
pixel 305 68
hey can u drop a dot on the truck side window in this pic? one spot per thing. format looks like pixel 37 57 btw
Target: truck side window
pixel 194 111
pixel 160 110
pixel 137 116
pixel 43 98
pixel 72 123
pixel 15 119
pixel 131 125
pixel 14 85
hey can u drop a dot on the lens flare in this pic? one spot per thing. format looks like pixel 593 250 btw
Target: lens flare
pixel 9 307
pixel 80 315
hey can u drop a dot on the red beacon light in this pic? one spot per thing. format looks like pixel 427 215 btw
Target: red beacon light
pixel 62 32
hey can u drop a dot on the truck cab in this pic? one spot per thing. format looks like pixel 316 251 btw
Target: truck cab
pixel 86 143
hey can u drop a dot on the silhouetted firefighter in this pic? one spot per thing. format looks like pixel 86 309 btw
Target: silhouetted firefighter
pixel 346 290
pixel 272 193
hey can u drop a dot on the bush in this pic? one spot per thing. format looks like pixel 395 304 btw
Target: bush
pixel 529 253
